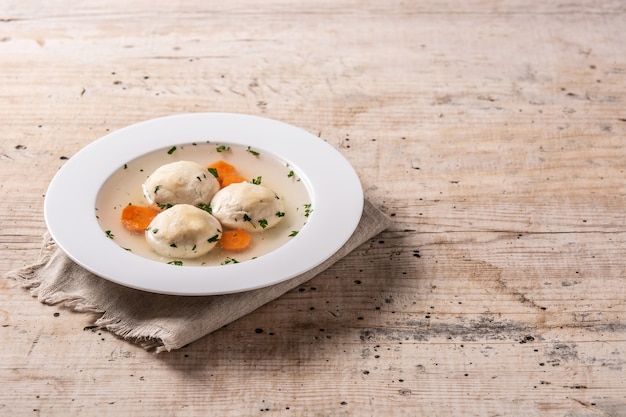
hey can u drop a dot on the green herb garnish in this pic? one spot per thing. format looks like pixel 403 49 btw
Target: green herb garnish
pixel 229 261
pixel 253 152
pixel 205 207
pixel 222 148
pixel 171 151
pixel 177 263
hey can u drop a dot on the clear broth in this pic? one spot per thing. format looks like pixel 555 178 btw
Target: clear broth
pixel 124 187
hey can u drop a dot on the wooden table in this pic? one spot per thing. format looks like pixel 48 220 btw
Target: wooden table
pixel 493 133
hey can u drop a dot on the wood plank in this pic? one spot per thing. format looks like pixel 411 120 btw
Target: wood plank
pixel 491 132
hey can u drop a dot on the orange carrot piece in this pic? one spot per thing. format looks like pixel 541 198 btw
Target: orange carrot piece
pixel 223 168
pixel 138 218
pixel 224 171
pixel 235 239
pixel 231 179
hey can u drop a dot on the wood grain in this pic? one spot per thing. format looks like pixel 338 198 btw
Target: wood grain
pixel 492 132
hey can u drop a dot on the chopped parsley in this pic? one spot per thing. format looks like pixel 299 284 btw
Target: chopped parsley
pixel 172 150
pixel 164 206
pixel 156 189
pixel 291 174
pixel 213 172
pixel 109 234
pixel 222 148
pixel 205 207
pixel 280 214
pixel 229 261
pixel 293 233
pixel 257 180
pixel 213 239
pixel 263 223
pixel 307 210
pixel 177 263
pixel 253 152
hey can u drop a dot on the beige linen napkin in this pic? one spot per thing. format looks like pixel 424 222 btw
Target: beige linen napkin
pixel 157 321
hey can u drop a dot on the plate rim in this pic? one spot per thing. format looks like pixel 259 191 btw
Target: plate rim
pixel 322 236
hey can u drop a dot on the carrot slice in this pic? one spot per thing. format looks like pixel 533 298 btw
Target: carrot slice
pixel 235 239
pixel 223 168
pixel 138 218
pixel 231 179
pixel 226 173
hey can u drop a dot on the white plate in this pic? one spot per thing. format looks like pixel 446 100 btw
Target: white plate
pixel 333 185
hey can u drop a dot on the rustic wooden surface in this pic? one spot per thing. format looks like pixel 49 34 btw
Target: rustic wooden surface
pixel 493 132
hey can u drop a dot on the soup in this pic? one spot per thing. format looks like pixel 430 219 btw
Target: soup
pixel 124 187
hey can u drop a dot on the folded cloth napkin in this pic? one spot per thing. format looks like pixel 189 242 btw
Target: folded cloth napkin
pixel 157 321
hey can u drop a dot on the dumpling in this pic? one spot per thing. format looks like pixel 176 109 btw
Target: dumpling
pixel 183 231
pixel 182 182
pixel 247 206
